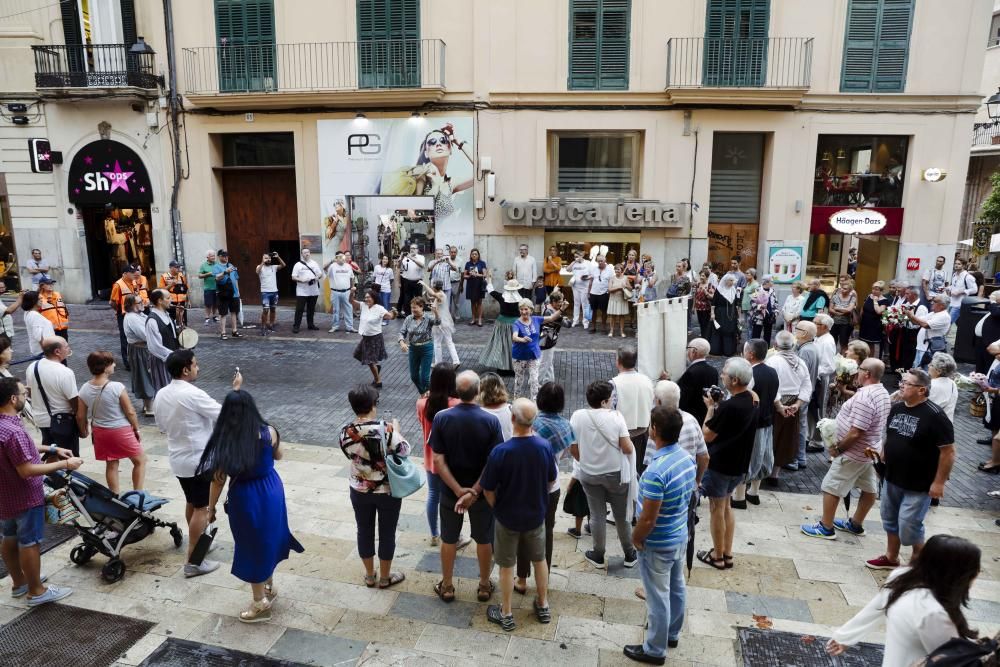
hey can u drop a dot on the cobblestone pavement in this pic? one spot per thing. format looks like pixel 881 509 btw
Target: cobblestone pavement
pixel 300 382
pixel 325 615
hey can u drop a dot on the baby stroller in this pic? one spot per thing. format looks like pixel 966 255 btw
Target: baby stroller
pixel 108 522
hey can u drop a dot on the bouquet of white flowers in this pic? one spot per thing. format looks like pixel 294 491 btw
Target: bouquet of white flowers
pixel 844 368
pixel 828 432
pixel 893 317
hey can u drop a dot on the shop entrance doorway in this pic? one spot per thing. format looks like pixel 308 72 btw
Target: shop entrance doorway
pixel 117 237
pixel 614 245
pixel 261 216
pixel 388 226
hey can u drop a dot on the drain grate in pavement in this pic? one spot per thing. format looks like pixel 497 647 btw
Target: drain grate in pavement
pixel 76 636
pixel 182 653
pixel 767 648
pixel 54 536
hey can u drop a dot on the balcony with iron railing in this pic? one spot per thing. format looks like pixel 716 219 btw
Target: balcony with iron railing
pixel 986 137
pixel 403 71
pixel 62 69
pixel 767 70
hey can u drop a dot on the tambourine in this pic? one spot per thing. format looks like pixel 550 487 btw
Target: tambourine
pixel 188 338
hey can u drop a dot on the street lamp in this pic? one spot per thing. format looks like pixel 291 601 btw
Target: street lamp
pixel 143 54
pixel 993 106
pixel 141 48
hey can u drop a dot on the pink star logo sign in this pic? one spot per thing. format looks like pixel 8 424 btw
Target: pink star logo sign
pixel 118 178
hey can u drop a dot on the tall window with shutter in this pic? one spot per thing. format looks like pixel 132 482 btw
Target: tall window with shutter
pixel 244 32
pixel 598 44
pixel 876 46
pixel 736 42
pixel 388 43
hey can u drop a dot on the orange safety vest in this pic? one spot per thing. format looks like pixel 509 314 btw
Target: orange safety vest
pixel 176 298
pixel 54 310
pixel 121 289
pixel 143 289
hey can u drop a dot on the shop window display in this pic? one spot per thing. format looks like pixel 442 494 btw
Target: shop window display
pixel 8 255
pixel 860 171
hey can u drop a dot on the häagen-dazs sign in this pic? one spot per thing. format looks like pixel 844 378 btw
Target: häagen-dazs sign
pixel 857 221
pixel 574 215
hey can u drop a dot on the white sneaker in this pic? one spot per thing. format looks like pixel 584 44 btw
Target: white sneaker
pixel 206 566
pixel 332 330
pixel 51 594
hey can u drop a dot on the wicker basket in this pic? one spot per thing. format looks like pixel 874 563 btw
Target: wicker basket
pixel 977 406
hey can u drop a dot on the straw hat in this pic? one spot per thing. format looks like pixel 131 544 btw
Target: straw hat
pixel 511 286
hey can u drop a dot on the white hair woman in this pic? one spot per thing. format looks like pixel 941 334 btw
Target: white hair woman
pixel 794 391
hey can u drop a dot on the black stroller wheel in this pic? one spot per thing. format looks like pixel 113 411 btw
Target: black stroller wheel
pixel 81 554
pixel 113 570
pixel 178 536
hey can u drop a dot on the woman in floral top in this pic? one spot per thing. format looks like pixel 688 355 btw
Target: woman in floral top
pixel 362 441
pixel 703 294
pixel 842 306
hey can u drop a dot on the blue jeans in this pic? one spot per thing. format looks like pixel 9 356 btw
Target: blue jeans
pixel 662 573
pixel 433 499
pixel 342 309
pixel 385 298
pixel 28 527
pixel 421 359
pixel 954 311
pixel 903 513
pixel 803 432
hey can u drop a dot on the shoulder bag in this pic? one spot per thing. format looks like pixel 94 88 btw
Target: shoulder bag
pixel 62 425
pixel 405 477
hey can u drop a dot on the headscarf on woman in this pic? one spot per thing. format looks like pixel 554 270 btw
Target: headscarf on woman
pixel 727 288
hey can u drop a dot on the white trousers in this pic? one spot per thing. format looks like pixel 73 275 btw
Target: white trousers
pixel 441 339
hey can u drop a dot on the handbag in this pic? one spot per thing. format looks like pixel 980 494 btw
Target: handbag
pixel 61 425
pixel 59 509
pixel 405 477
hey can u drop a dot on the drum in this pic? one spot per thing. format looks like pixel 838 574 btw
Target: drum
pixel 188 338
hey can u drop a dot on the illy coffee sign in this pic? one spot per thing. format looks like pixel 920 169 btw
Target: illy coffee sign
pixel 586 215
pixel 857 221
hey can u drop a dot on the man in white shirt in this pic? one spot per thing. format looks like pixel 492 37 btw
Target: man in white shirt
pixel 187 415
pixel 36 326
pixel 306 274
pixel 580 268
pixel 38 268
pixel 411 272
pixel 267 271
pixel 935 280
pixel 633 397
pixel 440 268
pixel 933 329
pixel 341 277
pixel 600 277
pixel 963 284
pixel 525 271
pixel 827 348
pixel 52 387
pixel 455 278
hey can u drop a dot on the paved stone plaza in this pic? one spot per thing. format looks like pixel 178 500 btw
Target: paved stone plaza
pixel 782 581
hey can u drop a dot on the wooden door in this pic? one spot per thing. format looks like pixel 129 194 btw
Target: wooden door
pixel 260 208
pixel 726 241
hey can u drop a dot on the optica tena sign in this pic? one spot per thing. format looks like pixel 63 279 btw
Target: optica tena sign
pixel 857 221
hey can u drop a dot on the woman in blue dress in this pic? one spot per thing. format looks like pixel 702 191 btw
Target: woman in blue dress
pixel 243 447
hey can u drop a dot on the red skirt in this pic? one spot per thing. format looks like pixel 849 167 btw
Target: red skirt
pixel 111 444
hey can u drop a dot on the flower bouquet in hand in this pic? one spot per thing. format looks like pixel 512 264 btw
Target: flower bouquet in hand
pixel 978 381
pixel 893 317
pixel 844 369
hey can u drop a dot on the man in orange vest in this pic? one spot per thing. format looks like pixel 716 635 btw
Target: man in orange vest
pixel 142 287
pixel 175 282
pixel 124 286
pixel 52 308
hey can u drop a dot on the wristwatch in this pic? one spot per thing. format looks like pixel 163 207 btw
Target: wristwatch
pixel 52 449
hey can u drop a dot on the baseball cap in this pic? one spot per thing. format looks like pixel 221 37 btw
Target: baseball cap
pixel 46 281
pixel 222 251
pixel 174 264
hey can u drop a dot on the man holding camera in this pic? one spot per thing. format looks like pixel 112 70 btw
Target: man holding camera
pixel 730 428
pixel 176 284
pixel 267 272
pixel 227 287
pixel 306 274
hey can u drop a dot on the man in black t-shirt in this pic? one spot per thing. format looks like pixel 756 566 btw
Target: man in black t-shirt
pixel 919 452
pixel 730 427
pixel 765 385
pixel 462 438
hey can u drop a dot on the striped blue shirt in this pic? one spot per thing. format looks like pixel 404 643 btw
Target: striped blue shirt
pixel 670 480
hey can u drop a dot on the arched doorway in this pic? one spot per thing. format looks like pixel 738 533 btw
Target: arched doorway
pixel 111 189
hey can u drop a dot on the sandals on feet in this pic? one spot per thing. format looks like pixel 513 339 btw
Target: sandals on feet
pixel 224 337
pixel 446 593
pixel 370 580
pixel 257 612
pixel 706 558
pixel 393 579
pixel 522 590
pixel 485 592
pixel 728 560
pixel 237 334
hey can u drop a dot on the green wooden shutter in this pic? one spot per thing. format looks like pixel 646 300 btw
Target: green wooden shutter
pixel 246 41
pixel 876 46
pixel 129 34
pixel 893 45
pixel 599 44
pixel 736 33
pixel 73 36
pixel 388 43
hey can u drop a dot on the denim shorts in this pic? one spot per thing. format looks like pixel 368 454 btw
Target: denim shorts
pixel 269 299
pixel 903 513
pixel 209 295
pixel 717 485
pixel 28 527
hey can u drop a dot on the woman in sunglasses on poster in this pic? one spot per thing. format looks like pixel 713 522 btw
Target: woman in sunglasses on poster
pixel 430 175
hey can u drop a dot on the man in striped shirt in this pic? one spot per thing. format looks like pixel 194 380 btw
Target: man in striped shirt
pixel 660 536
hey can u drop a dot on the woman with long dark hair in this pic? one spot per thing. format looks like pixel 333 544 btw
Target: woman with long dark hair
pixel 243 447
pixel 441 396
pixel 365 441
pixel 475 285
pixel 921 604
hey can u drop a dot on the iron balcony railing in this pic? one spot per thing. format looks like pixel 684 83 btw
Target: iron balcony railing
pixel 986 134
pixel 314 67
pixel 92 66
pixel 767 62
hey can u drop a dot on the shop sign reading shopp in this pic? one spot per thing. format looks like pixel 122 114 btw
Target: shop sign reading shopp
pixel 585 215
pixel 107 171
pixel 857 221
